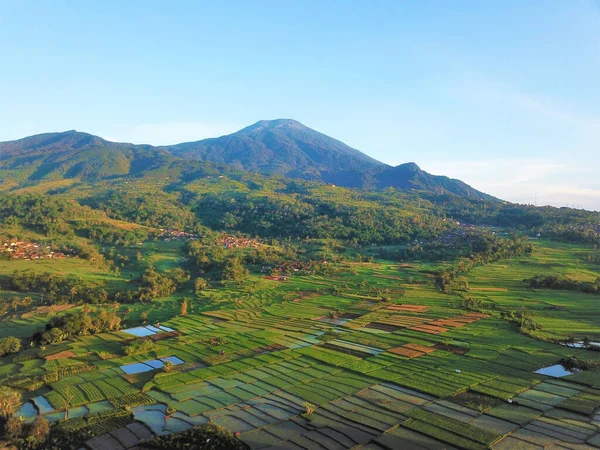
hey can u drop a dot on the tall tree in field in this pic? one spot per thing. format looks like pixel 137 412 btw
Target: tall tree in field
pixel 73 291
pixel 200 285
pixel 184 307
pixel 168 366
pixel 68 394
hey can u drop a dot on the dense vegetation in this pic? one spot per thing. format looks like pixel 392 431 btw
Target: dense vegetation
pixel 564 283
pixel 482 249
pixel 56 288
pixel 80 324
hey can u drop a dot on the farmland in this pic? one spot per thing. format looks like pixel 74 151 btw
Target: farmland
pixel 384 359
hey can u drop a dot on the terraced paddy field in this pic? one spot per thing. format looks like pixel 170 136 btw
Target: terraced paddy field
pixel 325 363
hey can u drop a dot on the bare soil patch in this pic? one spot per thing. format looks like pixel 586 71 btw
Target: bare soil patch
pixel 451 348
pixel 61 355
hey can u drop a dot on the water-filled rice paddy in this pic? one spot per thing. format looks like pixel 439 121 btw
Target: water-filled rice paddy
pixel 152 364
pixel 556 371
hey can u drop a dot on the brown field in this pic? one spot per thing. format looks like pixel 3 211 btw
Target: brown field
pixel 412 350
pixel 451 348
pixel 61 355
pixel 408 308
pixel 46 310
pixel 447 323
pixel 167 335
pixel 419 348
pixel 407 352
pixel 430 329
pixel 402 321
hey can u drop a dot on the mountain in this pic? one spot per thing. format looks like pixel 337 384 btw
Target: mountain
pixel 272 147
pixel 411 176
pixel 286 147
pixel 73 154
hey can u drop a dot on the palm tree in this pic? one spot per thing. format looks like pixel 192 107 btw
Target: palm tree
pixel 68 394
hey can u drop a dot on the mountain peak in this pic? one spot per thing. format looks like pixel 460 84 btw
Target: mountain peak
pixel 263 125
pixel 413 167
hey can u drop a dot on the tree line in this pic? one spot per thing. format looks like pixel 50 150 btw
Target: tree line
pixel 562 282
pixel 486 249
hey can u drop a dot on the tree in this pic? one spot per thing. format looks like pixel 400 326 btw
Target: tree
pixel 234 270
pixel 15 302
pixel 73 291
pixel 68 394
pixel 54 336
pixel 168 366
pixel 9 401
pixel 179 276
pixel 38 431
pixel 200 284
pixel 184 307
pixel 26 301
pixel 13 428
pixel 309 408
pixel 9 344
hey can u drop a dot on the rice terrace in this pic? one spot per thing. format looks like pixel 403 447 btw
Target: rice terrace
pixel 186 266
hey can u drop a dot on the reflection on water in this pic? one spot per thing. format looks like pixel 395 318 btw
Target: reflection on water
pixel 555 371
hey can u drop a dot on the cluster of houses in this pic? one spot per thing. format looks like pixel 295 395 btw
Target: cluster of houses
pixel 28 251
pixel 237 242
pixel 306 267
pixel 460 234
pixel 176 235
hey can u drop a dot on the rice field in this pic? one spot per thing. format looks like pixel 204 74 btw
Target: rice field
pixel 390 374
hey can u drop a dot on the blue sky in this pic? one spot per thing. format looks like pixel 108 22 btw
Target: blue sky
pixel 503 94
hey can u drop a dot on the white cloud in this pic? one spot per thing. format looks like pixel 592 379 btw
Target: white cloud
pixel 563 176
pixel 166 133
pixel 554 183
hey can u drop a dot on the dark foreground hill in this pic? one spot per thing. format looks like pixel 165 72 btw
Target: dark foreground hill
pixel 277 147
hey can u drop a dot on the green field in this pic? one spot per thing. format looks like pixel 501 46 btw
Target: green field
pixel 253 356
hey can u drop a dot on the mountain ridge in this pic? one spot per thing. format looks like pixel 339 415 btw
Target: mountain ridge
pixel 283 147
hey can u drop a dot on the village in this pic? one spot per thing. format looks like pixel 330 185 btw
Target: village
pixel 176 235
pixel 460 234
pixel 281 272
pixel 28 251
pixel 238 242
